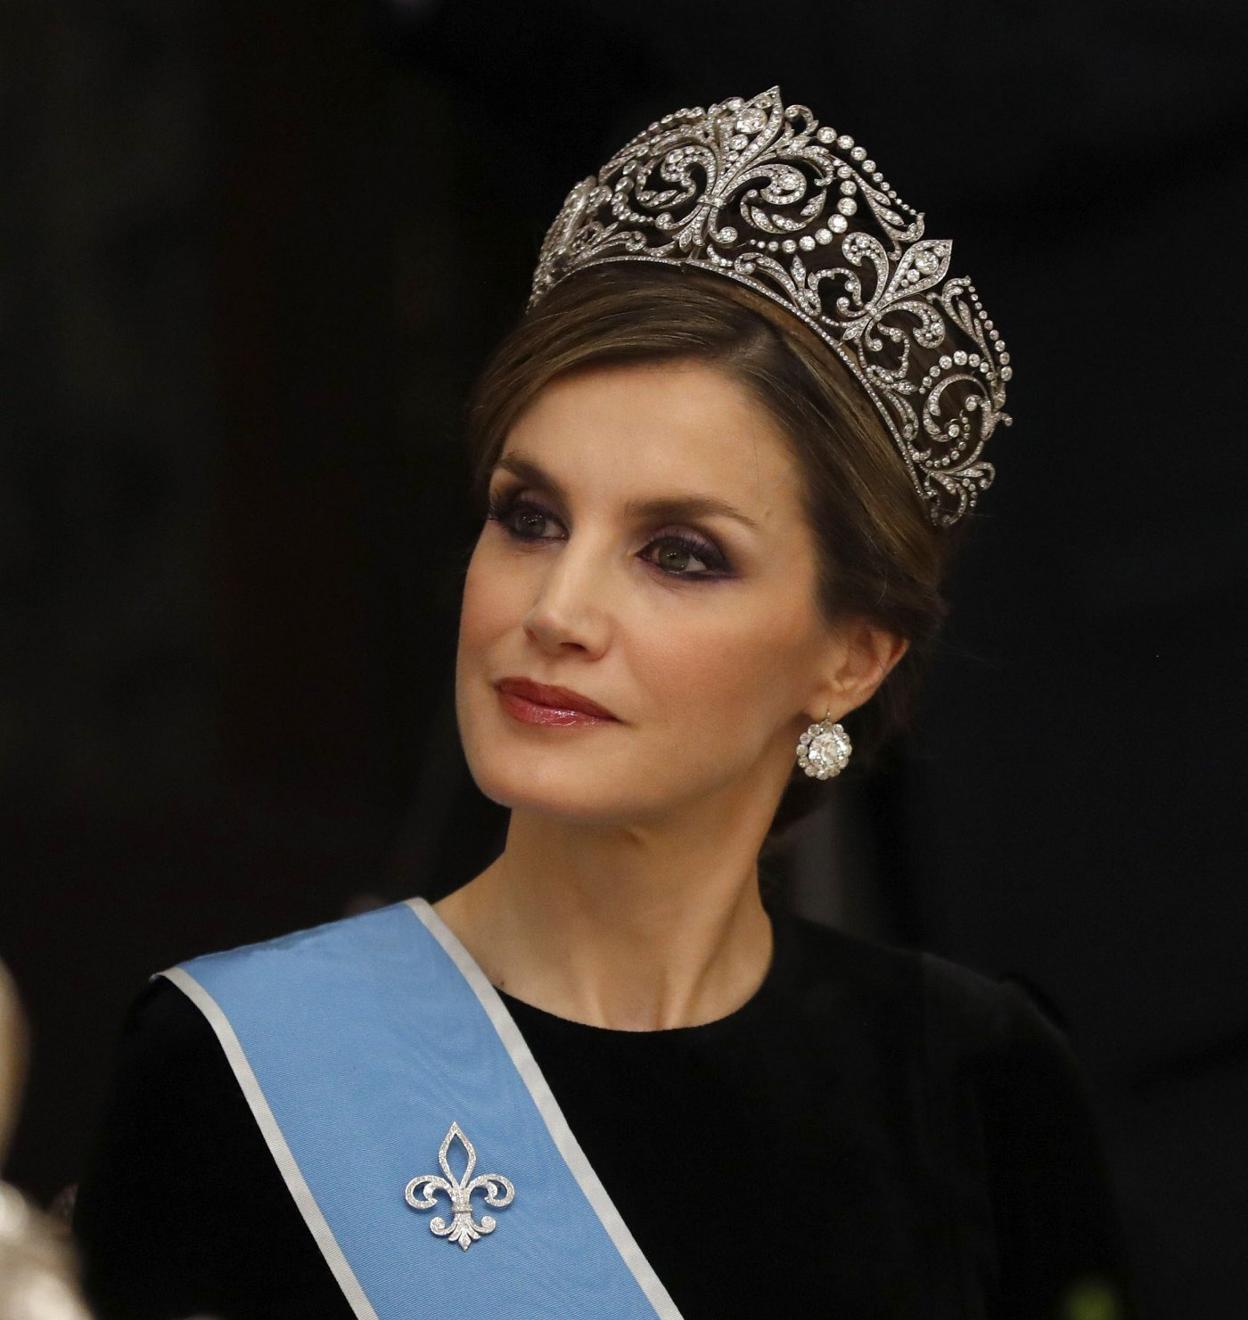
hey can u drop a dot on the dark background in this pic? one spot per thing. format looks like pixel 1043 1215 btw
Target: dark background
pixel 253 256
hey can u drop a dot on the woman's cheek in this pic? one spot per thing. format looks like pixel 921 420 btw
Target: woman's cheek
pixel 691 670
pixel 491 596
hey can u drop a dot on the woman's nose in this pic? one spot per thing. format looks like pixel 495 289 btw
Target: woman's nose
pixel 570 604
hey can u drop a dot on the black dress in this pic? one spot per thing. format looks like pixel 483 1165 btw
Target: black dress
pixel 877 1134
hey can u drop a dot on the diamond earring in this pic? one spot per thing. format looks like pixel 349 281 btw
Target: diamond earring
pixel 824 749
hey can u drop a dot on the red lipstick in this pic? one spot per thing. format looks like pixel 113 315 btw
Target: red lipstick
pixel 540 703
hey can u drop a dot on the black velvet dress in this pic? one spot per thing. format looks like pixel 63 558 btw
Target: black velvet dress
pixel 877 1133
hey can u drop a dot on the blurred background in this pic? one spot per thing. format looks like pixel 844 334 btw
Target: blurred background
pixel 252 258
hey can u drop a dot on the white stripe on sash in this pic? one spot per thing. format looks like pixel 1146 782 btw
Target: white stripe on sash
pixel 560 1133
pixel 267 1124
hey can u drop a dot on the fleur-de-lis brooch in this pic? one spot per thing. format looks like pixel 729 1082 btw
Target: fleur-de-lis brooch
pixel 463 1228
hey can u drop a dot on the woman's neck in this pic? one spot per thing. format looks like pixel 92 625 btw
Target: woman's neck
pixel 625 928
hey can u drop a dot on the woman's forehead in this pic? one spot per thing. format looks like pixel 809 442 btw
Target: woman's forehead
pixel 653 430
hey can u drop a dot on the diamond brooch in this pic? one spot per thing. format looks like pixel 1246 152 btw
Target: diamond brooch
pixel 463 1228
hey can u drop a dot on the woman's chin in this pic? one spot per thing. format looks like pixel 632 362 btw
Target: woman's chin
pixel 566 793
pixel 553 800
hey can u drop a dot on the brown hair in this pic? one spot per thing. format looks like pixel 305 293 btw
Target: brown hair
pixel 880 557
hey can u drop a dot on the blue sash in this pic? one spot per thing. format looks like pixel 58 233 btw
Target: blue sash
pixel 359 1044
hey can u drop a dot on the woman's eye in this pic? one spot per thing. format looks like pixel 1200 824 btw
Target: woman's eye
pixel 523 520
pixel 519 517
pixel 681 549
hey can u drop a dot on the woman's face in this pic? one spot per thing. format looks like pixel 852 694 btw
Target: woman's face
pixel 698 630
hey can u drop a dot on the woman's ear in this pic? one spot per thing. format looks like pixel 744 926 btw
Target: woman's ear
pixel 864 655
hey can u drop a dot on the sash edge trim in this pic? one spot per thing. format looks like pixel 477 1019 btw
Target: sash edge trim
pixel 282 1155
pixel 548 1107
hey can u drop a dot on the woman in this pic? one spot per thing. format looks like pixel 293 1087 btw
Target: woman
pixel 724 460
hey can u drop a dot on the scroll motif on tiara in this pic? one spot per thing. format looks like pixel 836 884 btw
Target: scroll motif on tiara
pixel 760 193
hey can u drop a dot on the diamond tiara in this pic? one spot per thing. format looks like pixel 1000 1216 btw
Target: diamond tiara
pixel 760 193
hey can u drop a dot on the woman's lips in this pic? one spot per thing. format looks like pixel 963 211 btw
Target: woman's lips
pixel 533 712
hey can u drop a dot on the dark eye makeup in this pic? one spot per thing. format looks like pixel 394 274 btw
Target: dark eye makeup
pixel 510 509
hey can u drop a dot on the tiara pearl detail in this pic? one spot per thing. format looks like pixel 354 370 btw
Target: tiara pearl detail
pixel 762 194
pixel 823 751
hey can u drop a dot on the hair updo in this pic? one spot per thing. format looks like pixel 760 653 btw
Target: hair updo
pixel 879 555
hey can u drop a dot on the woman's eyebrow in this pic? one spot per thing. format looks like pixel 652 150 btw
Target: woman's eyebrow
pixel 660 506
